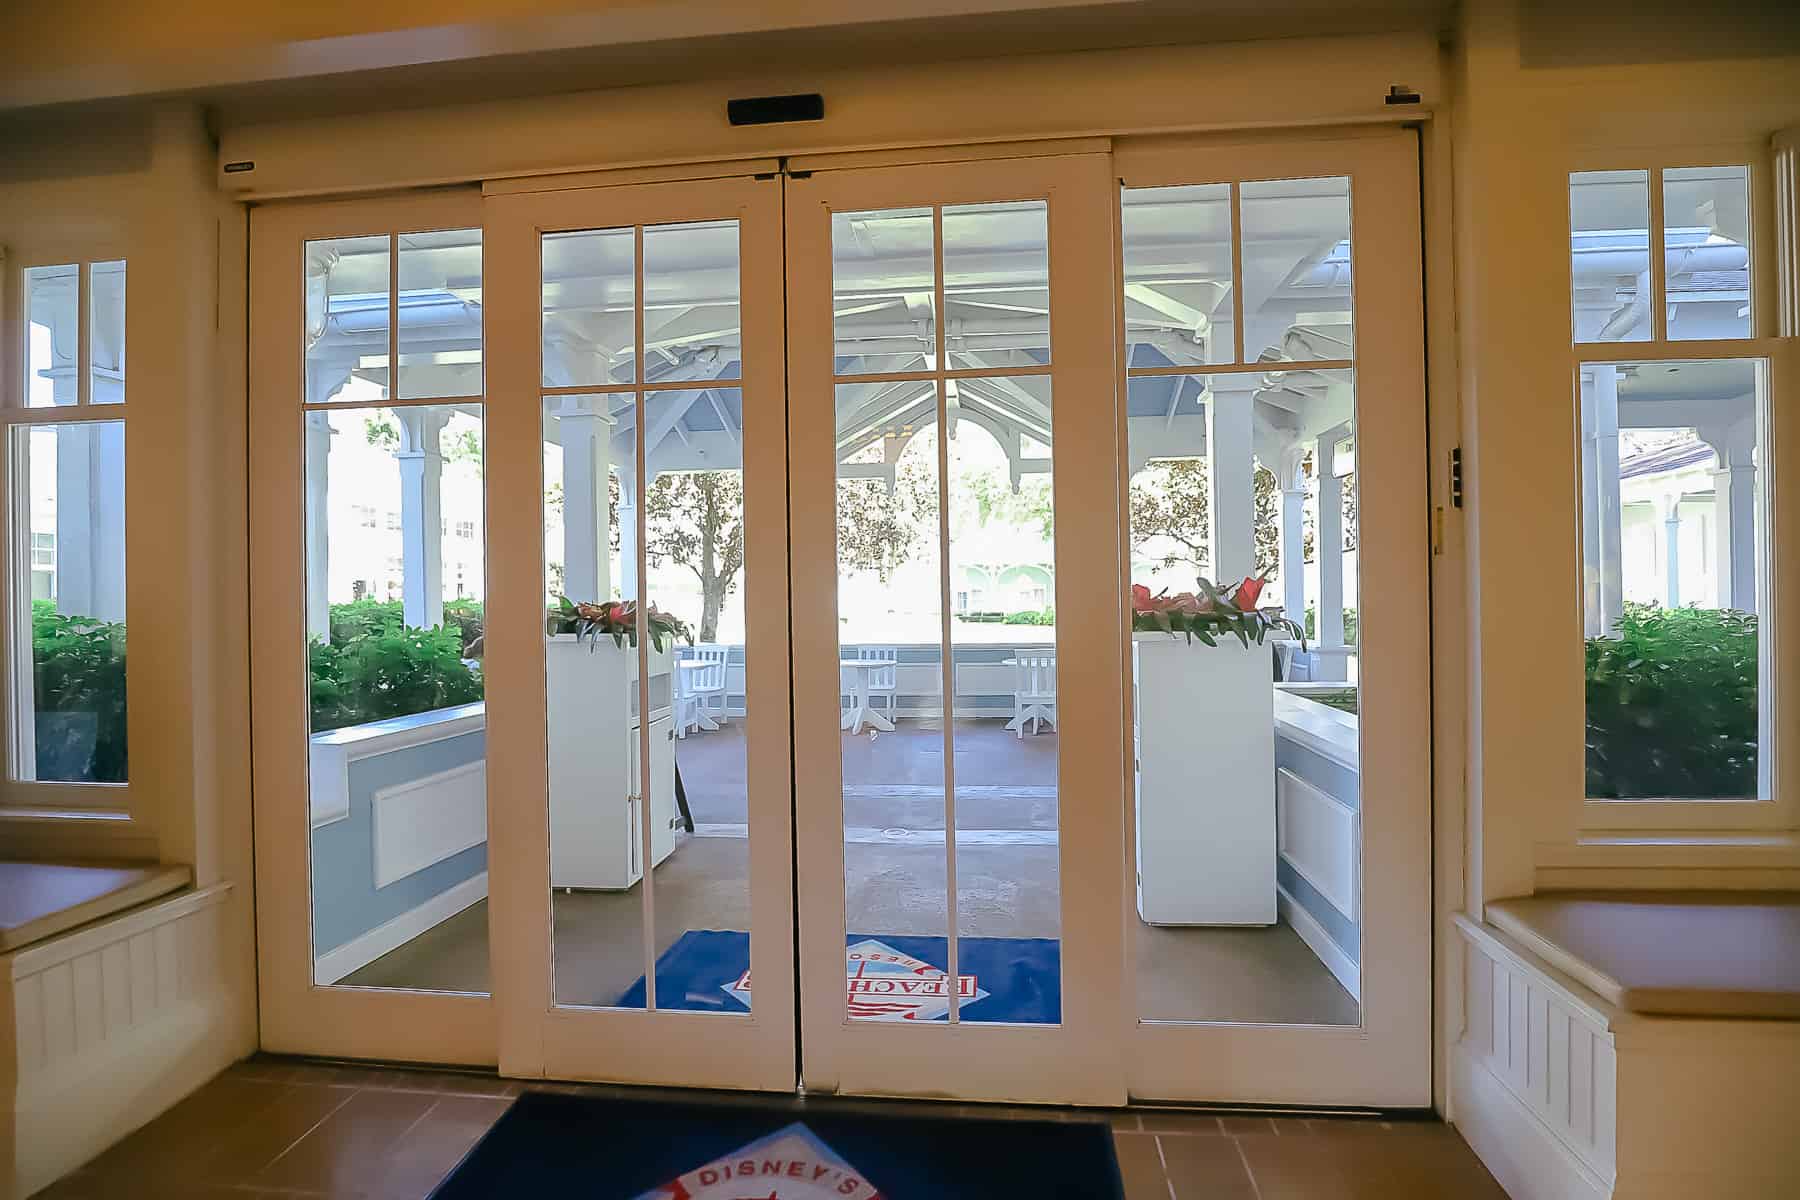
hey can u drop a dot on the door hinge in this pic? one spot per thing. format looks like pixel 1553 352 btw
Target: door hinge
pixel 1456 480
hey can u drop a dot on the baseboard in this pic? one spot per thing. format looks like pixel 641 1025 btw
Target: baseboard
pixel 360 951
pixel 1319 942
pixel 1522 1153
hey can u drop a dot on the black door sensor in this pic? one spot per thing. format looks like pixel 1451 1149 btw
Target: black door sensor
pixel 774 110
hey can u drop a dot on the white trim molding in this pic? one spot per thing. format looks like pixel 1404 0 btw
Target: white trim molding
pixel 360 951
pixel 1340 964
pixel 427 820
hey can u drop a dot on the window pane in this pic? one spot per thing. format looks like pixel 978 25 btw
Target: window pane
pixel 440 313
pixel 1674 462
pixel 53 332
pixel 590 331
pixel 997 283
pixel 347 320
pixel 395 585
pixel 695 571
pixel 1706 237
pixel 1247 756
pixel 592 517
pixel 1178 307
pixel 1609 255
pixel 1003 662
pixel 883 291
pixel 691 291
pixel 106 350
pixel 76 707
pixel 1296 269
pixel 891 671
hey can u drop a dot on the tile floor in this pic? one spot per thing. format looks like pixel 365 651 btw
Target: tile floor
pixel 274 1127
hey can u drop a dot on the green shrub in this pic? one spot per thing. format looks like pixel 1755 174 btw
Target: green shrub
pixel 1672 705
pixel 1312 620
pixel 1037 616
pixel 78 693
pixel 376 667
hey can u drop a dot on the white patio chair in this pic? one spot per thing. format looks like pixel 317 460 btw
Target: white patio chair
pixel 710 690
pixel 687 703
pixel 883 681
pixel 1034 690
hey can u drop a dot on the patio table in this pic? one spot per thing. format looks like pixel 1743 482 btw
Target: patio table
pixel 856 672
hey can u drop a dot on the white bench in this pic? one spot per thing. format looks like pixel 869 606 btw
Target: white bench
pixel 1633 1045
pixel 112 1005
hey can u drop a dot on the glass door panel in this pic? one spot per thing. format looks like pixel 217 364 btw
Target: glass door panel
pixel 1280 927
pixel 952 910
pixel 651 891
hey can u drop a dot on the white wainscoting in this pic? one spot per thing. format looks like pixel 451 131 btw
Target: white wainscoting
pixel 1563 1095
pixel 1319 839
pixel 429 819
pixel 111 1024
pixel 1548 1058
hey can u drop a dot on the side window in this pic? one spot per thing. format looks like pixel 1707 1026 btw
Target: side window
pixel 1675 473
pixel 66 445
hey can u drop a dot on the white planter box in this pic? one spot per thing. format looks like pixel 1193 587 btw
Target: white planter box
pixel 1205 781
pixel 595 809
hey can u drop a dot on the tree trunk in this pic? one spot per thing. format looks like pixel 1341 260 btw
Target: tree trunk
pixel 712 589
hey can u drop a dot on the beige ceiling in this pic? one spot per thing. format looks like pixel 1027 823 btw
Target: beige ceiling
pixel 263 61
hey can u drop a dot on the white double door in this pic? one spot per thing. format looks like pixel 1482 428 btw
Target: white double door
pixel 889 405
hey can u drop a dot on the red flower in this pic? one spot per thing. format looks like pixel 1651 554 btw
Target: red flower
pixel 1247 592
pixel 1140 598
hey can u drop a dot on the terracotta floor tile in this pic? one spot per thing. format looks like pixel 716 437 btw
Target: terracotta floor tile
pixel 1239 1126
pixel 1140 1162
pixel 1206 1168
pixel 427 1151
pixel 1175 1121
pixel 349 1148
pixel 194 1131
pixel 299 1109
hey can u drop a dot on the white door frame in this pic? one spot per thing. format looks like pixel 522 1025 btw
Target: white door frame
pixel 1386 1061
pixel 1078 1061
pixel 298 1016
pixel 537 1037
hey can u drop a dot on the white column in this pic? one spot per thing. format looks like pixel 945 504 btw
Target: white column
pixel 1329 548
pixel 1228 439
pixel 1672 552
pixel 628 533
pixel 587 459
pixel 421 516
pixel 318 525
pixel 1610 525
pixel 1293 554
pixel 1734 513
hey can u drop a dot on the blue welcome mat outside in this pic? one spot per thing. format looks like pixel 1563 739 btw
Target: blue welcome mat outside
pixel 888 977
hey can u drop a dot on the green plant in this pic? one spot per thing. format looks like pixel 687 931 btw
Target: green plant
pixel 1210 614
pixel 1672 705
pixel 1312 620
pixel 393 671
pixel 1038 616
pixel 616 619
pixel 78 683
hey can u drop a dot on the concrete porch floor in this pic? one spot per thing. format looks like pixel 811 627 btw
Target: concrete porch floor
pixel 894 867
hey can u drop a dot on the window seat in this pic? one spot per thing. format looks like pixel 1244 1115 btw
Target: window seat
pixel 1688 954
pixel 39 900
pixel 118 996
pixel 1632 1045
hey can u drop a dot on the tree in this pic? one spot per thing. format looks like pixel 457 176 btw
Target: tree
pixel 696 519
pixel 1171 501
pixel 880 530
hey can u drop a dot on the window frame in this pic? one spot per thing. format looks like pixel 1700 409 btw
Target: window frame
pixel 1779 626
pixel 32 800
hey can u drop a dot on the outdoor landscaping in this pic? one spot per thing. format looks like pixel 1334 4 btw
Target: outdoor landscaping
pixel 78 696
pixel 1672 705
pixel 375 666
